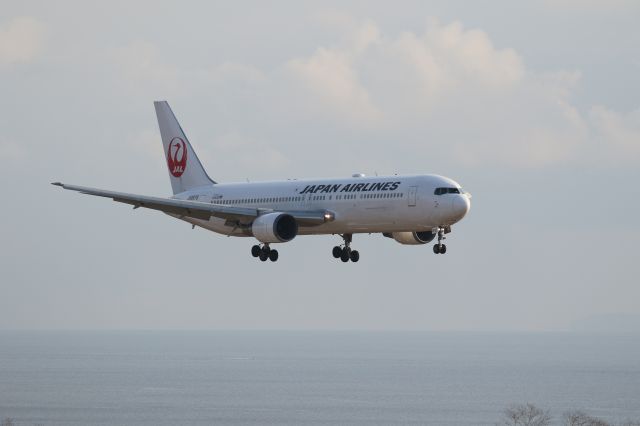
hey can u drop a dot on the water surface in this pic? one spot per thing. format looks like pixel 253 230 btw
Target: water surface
pixel 305 378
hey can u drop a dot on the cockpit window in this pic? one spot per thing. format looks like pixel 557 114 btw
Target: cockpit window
pixel 440 191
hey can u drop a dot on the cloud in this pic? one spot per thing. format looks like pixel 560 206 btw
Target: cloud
pixel 329 75
pixel 21 39
pixel 449 90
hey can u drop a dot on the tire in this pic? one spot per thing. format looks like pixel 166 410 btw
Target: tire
pixel 443 249
pixel 337 252
pixel 263 256
pixel 255 251
pixel 273 255
pixel 354 256
pixel 344 256
pixel 436 249
pixel 266 250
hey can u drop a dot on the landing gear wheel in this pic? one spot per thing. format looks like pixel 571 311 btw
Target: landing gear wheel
pixel 273 255
pixel 264 252
pixel 346 254
pixel 440 248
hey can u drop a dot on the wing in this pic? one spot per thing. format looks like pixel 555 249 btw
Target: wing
pixel 199 210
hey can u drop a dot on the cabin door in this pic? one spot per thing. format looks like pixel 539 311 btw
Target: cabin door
pixel 413 190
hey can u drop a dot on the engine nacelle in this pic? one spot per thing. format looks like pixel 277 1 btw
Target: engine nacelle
pixel 413 238
pixel 274 228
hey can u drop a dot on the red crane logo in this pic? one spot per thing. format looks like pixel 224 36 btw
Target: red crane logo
pixel 177 156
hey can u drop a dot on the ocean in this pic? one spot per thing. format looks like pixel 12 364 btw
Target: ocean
pixel 311 377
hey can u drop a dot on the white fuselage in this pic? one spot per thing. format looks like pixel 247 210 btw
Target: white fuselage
pixel 357 204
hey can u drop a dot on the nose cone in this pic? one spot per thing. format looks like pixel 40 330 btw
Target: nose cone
pixel 460 205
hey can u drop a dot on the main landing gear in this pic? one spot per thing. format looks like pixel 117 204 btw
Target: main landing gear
pixel 264 253
pixel 440 248
pixel 345 253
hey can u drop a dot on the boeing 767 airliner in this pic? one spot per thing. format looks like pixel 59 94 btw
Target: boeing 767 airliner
pixel 409 209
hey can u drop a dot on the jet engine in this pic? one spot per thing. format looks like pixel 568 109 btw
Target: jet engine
pixel 412 238
pixel 274 228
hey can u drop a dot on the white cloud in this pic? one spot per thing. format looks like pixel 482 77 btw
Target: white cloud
pixel 330 76
pixel 446 91
pixel 450 91
pixel 21 39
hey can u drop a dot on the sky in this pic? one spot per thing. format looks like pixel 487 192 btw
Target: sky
pixel 534 107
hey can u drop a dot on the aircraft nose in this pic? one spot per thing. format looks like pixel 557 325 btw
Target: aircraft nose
pixel 460 206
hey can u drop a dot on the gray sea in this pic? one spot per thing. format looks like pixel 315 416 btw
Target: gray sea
pixel 308 378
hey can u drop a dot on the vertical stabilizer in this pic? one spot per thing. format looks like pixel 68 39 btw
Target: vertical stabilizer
pixel 185 170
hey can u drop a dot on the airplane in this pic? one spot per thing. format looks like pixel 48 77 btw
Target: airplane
pixel 410 209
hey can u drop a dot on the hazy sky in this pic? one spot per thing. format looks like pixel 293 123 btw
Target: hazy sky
pixel 533 107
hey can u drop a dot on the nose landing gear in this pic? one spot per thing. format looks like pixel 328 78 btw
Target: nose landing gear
pixel 264 253
pixel 345 253
pixel 439 247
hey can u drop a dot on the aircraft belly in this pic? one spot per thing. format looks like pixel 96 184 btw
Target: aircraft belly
pixel 354 220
